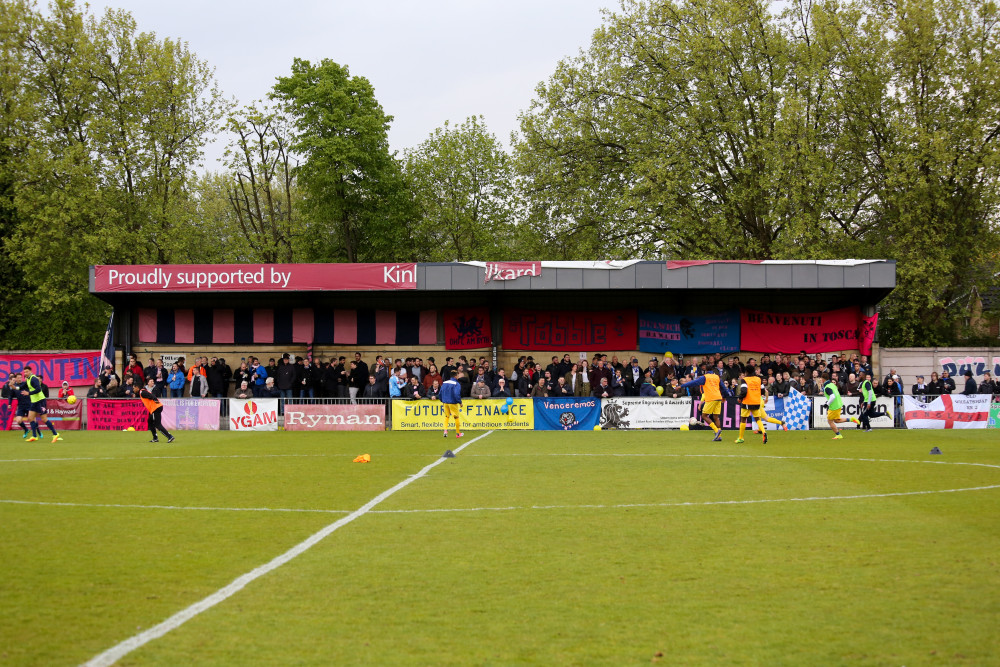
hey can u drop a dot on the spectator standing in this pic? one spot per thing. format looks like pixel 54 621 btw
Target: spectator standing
pixel 65 391
pixel 935 387
pixel 970 384
pixel 284 377
pixel 371 389
pixel 198 377
pixel 988 385
pixel 97 391
pixel 414 390
pixel 215 375
pixel 175 382
pixel 258 375
pixel 919 388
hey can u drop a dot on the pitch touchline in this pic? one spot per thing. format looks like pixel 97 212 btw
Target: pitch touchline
pixel 122 649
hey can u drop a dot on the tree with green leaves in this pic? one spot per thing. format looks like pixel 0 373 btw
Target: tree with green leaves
pixel 463 184
pixel 356 206
pixel 716 129
pixel 103 127
pixel 262 190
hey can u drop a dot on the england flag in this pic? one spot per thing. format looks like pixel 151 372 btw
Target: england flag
pixel 948 411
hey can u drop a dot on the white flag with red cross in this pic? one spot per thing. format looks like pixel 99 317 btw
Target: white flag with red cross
pixel 948 411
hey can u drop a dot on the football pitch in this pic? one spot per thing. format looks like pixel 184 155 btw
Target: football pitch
pixel 576 548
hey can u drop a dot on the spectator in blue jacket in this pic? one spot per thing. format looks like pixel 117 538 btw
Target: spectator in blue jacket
pixel 175 381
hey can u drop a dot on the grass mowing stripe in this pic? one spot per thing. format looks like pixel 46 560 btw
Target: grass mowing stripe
pixel 115 653
pixel 689 504
pixel 172 507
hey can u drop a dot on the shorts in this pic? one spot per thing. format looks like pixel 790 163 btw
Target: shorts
pixel 833 415
pixel 451 410
pixel 38 408
pixel 751 411
pixel 711 408
pixel 21 412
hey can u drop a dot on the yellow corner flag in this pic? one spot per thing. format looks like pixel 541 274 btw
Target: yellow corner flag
pixel 364 458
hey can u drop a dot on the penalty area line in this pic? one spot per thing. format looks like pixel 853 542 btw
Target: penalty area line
pixel 120 650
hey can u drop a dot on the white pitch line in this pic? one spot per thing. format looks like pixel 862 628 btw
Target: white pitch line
pixel 689 504
pixel 115 653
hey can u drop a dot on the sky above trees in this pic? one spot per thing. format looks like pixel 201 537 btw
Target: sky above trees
pixel 429 62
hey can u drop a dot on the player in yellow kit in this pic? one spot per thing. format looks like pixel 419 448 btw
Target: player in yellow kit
pixel 711 397
pixel 752 398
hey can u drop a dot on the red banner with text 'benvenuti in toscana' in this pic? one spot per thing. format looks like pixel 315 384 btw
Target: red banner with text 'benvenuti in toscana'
pixel 254 277
pixel 829 331
pixel 569 331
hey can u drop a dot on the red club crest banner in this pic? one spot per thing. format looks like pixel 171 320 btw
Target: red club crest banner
pixel 467 329
pixel 570 331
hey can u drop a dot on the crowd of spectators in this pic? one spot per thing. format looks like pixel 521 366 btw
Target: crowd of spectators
pixel 411 378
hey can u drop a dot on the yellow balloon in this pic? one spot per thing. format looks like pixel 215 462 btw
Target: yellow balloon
pixel 659 390
pixel 597 428
pixel 668 355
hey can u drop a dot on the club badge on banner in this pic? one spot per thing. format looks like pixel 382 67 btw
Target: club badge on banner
pixel 339 417
pixel 994 421
pixel 256 414
pixel 652 413
pixel 567 414
pixel 948 411
pixel 477 415
pixel 882 418
pixel 116 414
pixel 191 414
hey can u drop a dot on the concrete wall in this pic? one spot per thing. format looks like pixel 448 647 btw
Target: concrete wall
pixel 909 361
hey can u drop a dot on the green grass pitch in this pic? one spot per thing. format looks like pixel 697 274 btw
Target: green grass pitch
pixel 593 548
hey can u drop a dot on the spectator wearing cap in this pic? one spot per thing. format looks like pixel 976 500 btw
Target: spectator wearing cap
pixel 65 391
pixel 919 389
pixel 970 384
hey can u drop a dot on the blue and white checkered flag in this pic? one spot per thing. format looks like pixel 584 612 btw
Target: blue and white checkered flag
pixel 797 407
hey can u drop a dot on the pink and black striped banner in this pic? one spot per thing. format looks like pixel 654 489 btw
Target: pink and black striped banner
pixel 250 326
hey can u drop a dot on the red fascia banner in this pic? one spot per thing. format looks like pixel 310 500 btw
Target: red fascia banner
pixel 77 368
pixel 254 277
pixel 467 329
pixel 829 331
pixel 110 414
pixel 570 331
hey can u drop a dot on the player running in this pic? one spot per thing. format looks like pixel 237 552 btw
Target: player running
pixel 155 409
pixel 834 403
pixel 23 402
pixel 451 396
pixel 752 399
pixel 37 412
pixel 867 401
pixel 711 397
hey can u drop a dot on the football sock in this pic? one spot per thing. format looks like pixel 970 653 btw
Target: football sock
pixel 772 420
pixel 24 427
pixel 714 427
pixel 743 427
pixel 51 427
pixel 760 425
pixel 35 433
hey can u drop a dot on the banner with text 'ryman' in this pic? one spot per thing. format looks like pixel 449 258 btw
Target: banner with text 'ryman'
pixel 476 415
